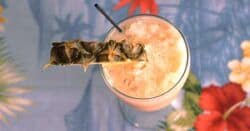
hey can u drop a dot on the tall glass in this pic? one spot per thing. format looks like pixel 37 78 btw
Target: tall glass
pixel 146 89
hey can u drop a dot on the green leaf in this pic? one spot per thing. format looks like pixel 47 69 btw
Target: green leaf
pixel 192 84
pixel 247 101
pixel 191 102
pixel 186 121
pixel 192 89
pixel 191 129
pixel 164 126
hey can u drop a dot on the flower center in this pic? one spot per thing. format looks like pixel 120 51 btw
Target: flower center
pixel 245 102
pixel 231 109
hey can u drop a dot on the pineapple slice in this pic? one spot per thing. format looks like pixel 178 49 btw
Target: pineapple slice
pixel 86 53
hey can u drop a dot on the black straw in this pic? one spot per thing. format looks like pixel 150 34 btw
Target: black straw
pixel 107 17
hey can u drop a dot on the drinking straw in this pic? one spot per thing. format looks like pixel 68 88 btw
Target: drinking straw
pixel 107 17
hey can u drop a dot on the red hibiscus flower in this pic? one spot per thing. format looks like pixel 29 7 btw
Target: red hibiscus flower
pixel 223 109
pixel 145 6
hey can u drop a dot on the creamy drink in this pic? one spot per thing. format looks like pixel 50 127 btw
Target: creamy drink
pixel 153 84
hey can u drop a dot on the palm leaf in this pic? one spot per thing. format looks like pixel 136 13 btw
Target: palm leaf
pixel 10 101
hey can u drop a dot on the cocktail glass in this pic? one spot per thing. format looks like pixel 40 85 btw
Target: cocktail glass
pixel 146 111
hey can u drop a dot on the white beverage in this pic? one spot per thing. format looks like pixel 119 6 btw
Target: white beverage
pixel 152 85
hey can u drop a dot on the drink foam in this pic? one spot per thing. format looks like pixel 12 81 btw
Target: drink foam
pixel 166 53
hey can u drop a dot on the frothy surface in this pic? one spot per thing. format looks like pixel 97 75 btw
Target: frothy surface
pixel 166 53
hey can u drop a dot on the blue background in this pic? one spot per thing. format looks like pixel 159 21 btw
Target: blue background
pixel 66 98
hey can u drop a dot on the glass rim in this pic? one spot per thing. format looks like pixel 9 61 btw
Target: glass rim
pixel 179 80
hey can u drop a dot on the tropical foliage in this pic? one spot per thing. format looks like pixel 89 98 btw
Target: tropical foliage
pixel 11 100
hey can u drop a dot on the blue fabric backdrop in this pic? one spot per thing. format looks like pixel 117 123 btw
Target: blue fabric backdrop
pixel 213 28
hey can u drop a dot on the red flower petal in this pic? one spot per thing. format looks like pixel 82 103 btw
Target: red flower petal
pixel 239 119
pixel 154 8
pixel 235 125
pixel 218 101
pixel 145 5
pixel 210 122
pixel 212 99
pixel 121 4
pixel 234 94
pixel 133 7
